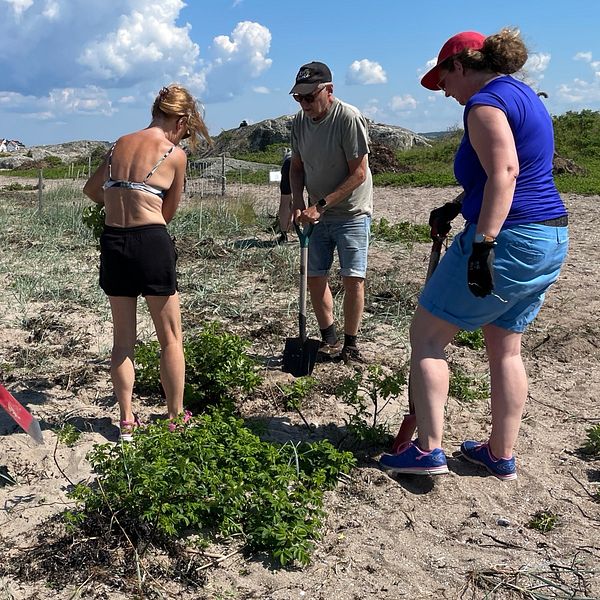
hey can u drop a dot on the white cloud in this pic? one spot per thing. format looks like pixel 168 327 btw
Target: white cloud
pixel 145 43
pixel 403 103
pixel 59 103
pixel 585 56
pixel 236 58
pixel 372 110
pixel 19 6
pixel 536 64
pixel 365 72
pixel 136 47
pixel 581 90
pixel 261 89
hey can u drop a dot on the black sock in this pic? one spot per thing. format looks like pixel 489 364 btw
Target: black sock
pixel 329 334
pixel 350 340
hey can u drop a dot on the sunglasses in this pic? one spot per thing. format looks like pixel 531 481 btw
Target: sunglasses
pixel 307 97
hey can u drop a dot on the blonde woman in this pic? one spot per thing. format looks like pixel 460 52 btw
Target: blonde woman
pixel 140 183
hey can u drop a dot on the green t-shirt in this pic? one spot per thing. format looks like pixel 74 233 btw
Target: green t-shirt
pixel 325 147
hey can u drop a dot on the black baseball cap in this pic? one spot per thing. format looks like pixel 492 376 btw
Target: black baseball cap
pixel 310 76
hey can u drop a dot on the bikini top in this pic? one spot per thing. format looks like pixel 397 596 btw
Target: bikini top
pixel 141 186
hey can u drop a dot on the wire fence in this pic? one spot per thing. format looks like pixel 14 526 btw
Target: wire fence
pixel 205 178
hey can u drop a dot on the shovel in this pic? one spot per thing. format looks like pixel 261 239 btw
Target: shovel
pixel 300 354
pixel 21 415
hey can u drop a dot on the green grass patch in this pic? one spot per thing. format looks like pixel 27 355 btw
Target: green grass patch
pixel 400 232
pixel 271 155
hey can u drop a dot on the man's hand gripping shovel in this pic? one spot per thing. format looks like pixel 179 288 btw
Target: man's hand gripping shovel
pixel 440 227
pixel 20 415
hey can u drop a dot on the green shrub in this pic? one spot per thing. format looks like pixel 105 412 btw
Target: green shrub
pixel 216 368
pixel 215 477
pixel 93 217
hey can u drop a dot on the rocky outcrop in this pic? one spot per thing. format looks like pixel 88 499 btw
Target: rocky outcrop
pixel 43 156
pixel 67 152
pixel 256 137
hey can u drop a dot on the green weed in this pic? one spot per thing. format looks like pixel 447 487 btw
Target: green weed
pixel 544 521
pixel 215 477
pixel 470 339
pixel 294 393
pixel 365 398
pixel 465 388
pixel 68 434
pixel 592 444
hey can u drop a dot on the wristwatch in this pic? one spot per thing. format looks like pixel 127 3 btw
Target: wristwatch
pixel 322 203
pixel 483 238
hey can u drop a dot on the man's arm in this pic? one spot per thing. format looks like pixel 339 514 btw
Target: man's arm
pixel 297 183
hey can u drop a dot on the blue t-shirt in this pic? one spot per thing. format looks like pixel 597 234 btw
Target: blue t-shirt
pixel 536 198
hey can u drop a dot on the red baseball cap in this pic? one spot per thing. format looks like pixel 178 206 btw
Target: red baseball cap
pixel 457 43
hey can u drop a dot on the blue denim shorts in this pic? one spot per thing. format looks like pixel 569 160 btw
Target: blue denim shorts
pixel 527 261
pixel 349 236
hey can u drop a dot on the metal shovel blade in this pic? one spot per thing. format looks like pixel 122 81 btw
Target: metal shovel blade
pixel 20 415
pixel 299 357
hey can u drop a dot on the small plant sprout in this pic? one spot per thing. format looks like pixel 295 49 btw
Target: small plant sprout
pixel 592 443
pixel 365 400
pixel 544 521
pixel 68 434
pixel 465 388
pixel 470 339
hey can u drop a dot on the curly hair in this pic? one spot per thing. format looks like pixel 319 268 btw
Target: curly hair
pixel 175 100
pixel 504 52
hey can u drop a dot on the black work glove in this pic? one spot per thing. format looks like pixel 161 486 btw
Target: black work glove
pixel 480 270
pixel 439 218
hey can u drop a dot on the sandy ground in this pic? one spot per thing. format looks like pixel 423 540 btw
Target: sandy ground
pixel 385 537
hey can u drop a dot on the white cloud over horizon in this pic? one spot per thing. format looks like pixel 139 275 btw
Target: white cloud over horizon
pixel 403 103
pixel 365 72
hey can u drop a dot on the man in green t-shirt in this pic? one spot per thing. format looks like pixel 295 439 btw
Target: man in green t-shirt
pixel 330 148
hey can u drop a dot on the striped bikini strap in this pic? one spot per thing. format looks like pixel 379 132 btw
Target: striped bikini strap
pixel 159 163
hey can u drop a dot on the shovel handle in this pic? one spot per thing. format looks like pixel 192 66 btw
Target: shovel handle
pixel 304 233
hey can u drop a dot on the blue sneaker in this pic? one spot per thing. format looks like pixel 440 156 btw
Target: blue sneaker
pixel 411 459
pixel 480 454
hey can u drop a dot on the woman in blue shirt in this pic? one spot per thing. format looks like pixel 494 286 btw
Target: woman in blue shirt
pixel 497 270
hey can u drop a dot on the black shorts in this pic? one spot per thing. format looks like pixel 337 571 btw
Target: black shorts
pixel 137 260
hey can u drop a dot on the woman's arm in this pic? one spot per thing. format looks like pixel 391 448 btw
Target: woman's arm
pixel 493 141
pixel 173 194
pixel 93 186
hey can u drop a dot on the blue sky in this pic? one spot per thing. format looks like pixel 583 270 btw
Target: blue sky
pixel 89 69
